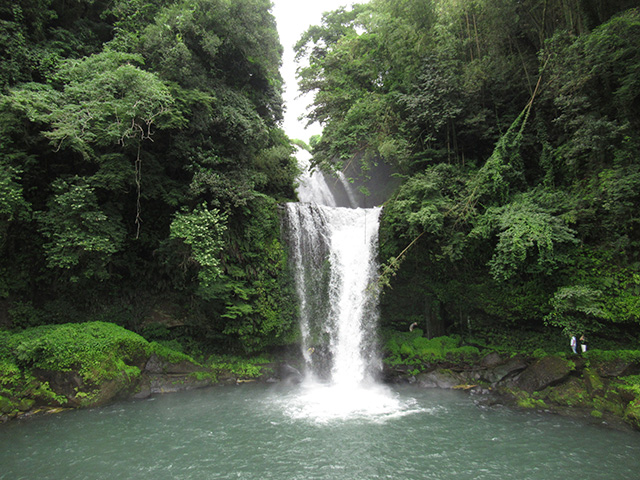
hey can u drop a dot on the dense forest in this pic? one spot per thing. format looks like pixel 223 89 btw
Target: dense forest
pixel 142 162
pixel 515 128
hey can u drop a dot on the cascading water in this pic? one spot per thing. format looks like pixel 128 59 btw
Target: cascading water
pixel 333 250
pixel 333 247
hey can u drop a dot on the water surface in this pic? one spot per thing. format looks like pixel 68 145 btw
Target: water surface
pixel 313 432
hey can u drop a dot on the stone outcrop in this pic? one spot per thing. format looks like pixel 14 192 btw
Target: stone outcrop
pixel 440 379
pixel 493 373
pixel 543 373
pixel 162 376
pixel 553 383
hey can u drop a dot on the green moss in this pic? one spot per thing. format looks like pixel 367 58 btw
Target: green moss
pixel 611 403
pixel 169 354
pixel 201 376
pixel 98 352
pixel 630 384
pixel 632 413
pixel 539 353
pixel 237 366
pixel 526 401
pixel 570 394
pixel 602 356
pixel 411 348
pixel 592 381
pixel 6 405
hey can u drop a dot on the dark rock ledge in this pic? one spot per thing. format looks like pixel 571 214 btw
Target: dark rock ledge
pixel 569 386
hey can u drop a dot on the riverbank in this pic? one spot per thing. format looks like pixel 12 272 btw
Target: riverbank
pixel 57 367
pixel 602 385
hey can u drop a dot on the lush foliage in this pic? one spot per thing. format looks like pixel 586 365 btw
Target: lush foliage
pixel 419 352
pixel 95 352
pixel 514 125
pixel 141 166
pixel 98 350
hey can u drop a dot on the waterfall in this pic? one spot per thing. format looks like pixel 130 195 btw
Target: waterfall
pixel 333 252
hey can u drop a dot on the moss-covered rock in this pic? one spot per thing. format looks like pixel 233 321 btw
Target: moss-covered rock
pixel 610 402
pixel 543 373
pixel 571 393
pixel 443 378
pixel 592 381
pixel 524 399
pixel 70 365
pixel 632 413
pixel 6 405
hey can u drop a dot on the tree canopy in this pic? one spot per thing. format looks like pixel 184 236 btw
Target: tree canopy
pixel 142 162
pixel 514 125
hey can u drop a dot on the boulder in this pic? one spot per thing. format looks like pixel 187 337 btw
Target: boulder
pixel 504 370
pixel 439 379
pixel 289 374
pixel 491 360
pixel 618 368
pixel 543 373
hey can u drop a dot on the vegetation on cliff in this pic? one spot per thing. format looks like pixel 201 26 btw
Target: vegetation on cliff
pixel 142 162
pixel 514 125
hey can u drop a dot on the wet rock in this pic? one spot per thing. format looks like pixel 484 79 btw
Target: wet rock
pixel 618 368
pixel 543 373
pixel 491 360
pixel 289 374
pixel 503 371
pixel 439 379
pixel 154 364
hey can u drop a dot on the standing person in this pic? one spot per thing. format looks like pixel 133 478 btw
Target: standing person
pixel 583 343
pixel 574 343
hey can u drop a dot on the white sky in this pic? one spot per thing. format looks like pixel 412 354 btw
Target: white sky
pixel 294 17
